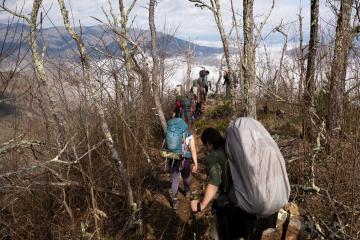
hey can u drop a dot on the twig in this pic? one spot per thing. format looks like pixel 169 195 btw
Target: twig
pixel 55 159
pixel 3 7
pixel 70 183
pixel 202 4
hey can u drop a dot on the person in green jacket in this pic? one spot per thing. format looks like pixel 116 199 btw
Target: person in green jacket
pixel 231 221
pixel 219 178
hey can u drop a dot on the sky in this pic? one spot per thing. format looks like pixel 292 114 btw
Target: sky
pixel 192 23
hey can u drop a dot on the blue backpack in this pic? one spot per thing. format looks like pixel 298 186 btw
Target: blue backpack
pixel 176 134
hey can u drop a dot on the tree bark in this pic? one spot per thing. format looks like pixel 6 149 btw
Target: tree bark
pixel 309 106
pixel 249 60
pixel 343 41
pixel 124 46
pixel 301 58
pixel 188 69
pixel 155 69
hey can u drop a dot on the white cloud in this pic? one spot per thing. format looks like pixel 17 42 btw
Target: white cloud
pixel 217 44
pixel 194 23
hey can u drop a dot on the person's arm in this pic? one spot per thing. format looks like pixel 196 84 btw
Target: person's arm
pixel 210 193
pixel 193 153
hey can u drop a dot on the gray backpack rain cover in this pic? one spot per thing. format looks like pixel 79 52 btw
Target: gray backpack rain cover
pixel 260 180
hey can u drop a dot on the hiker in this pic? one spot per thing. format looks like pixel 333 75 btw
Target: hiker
pixel 249 173
pixel 219 178
pixel 188 108
pixel 204 82
pixel 178 106
pixel 179 140
pixel 196 89
pixel 227 83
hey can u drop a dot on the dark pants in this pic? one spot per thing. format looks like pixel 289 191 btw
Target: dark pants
pixel 198 109
pixel 234 223
pixel 188 116
pixel 206 88
pixel 178 168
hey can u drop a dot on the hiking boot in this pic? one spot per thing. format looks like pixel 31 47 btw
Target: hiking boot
pixel 174 203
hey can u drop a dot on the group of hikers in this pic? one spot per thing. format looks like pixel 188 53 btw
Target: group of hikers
pixel 189 107
pixel 247 180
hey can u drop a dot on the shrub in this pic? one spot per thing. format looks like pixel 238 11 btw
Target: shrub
pixel 221 111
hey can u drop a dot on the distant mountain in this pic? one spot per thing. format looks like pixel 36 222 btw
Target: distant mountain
pixel 98 39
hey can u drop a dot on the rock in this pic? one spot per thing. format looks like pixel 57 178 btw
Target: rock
pixel 150 233
pixel 282 215
pixel 271 234
pixel 295 228
pixel 294 209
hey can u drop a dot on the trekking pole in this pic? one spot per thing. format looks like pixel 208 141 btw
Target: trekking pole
pixel 194 230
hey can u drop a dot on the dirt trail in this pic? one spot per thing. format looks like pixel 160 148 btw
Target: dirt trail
pixel 162 222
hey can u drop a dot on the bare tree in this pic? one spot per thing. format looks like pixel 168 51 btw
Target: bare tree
pixel 39 65
pixel 215 8
pixel 95 95
pixel 249 60
pixel 123 43
pixel 309 107
pixel 343 41
pixel 301 57
pixel 155 68
pixel 189 61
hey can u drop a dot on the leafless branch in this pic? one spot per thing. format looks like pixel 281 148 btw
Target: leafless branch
pixel 14 13
pixel 202 4
pixel 263 23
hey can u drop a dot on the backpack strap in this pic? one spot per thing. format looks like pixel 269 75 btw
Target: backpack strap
pixel 227 176
pixel 183 144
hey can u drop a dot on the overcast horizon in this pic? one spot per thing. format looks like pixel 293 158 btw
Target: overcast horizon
pixel 192 23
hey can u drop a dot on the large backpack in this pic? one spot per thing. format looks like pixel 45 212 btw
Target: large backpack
pixel 258 171
pixel 175 136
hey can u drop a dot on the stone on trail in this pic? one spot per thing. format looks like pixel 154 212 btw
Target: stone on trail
pixel 296 227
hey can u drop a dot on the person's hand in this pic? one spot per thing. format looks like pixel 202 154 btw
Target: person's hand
pixel 194 167
pixel 193 205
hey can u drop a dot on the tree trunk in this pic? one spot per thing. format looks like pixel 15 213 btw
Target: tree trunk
pixel 249 60
pixel 162 76
pixel 188 69
pixel 237 71
pixel 343 41
pixel 309 107
pixel 225 42
pixel 155 69
pixel 41 74
pixel 125 50
pixel 302 58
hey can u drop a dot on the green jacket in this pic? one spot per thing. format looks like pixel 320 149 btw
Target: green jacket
pixel 217 167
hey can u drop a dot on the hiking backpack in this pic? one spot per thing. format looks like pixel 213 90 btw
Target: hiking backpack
pixel 258 171
pixel 176 135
